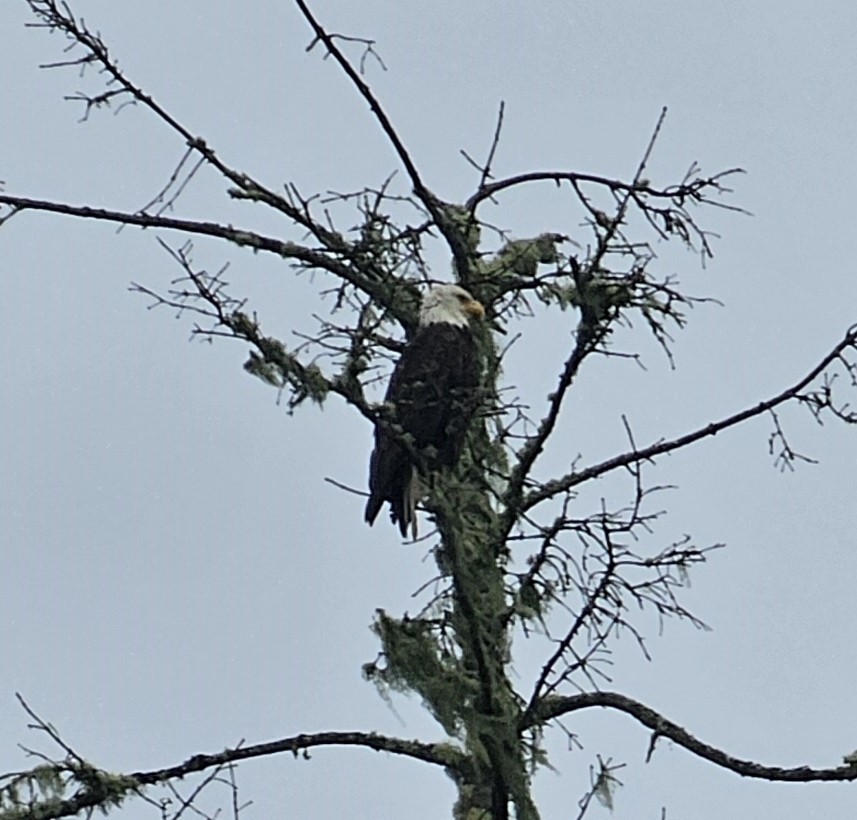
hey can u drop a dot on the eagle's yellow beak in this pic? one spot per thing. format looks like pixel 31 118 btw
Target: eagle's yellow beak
pixel 474 308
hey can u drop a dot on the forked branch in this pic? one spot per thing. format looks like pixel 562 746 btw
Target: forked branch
pixel 451 233
pixel 95 788
pixel 57 16
pixel 550 489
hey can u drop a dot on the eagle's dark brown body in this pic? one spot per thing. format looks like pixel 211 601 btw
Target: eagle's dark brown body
pixel 432 391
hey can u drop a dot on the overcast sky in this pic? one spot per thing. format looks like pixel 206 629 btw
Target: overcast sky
pixel 177 575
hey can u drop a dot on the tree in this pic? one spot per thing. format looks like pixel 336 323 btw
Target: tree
pixel 516 555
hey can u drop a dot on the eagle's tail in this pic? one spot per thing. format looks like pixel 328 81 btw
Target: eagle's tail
pixel 407 515
pixel 373 507
pixel 403 509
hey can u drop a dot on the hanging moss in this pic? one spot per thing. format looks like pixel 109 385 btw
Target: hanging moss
pixel 414 663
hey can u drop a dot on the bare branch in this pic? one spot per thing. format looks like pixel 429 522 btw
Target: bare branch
pixel 99 789
pixel 58 16
pixel 433 205
pixel 363 89
pixel 583 617
pixel 554 707
pixel 438 754
pixel 552 488
pixel 178 180
pixel 485 170
pixel 697 191
pixel 287 250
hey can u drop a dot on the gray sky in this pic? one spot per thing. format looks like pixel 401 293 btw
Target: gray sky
pixel 178 576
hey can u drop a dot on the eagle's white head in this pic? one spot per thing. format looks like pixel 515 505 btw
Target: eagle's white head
pixel 450 304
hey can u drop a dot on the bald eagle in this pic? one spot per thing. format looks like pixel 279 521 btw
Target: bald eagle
pixel 432 392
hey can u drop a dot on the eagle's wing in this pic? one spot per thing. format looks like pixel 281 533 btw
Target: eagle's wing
pixel 430 389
